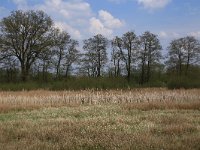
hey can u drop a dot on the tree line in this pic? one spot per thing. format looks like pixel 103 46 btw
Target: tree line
pixel 31 47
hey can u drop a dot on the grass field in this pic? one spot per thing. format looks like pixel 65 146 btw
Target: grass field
pixel 131 119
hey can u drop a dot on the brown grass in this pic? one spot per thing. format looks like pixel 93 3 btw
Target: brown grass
pixel 133 119
pixel 162 106
pixel 143 99
pixel 88 127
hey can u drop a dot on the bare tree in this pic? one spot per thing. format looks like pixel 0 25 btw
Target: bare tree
pixel 149 54
pixel 191 51
pixel 116 55
pixel 72 55
pixel 25 35
pixel 183 52
pixel 95 56
pixel 88 65
pixel 45 62
pixel 175 56
pixel 61 40
pixel 10 66
pixel 128 52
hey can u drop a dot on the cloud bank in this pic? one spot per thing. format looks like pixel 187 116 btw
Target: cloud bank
pixel 153 4
pixel 76 17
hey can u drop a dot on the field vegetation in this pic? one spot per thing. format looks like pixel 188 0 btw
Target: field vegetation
pixel 151 118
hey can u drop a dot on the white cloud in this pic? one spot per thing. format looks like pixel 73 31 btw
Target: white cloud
pixel 163 34
pixel 105 23
pixel 76 17
pixel 67 9
pixel 65 27
pixel 117 1
pixel 71 15
pixel 168 35
pixel 64 13
pixel 175 35
pixel 21 4
pixel 56 3
pixel 153 4
pixel 147 4
pixel 97 27
pixel 195 34
pixel 4 12
pixel 109 20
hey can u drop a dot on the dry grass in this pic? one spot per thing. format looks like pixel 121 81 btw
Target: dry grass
pixel 163 105
pixel 134 119
pixel 144 99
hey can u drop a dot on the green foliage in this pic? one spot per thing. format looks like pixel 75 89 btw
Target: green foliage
pixel 23 86
pixel 183 82
pixel 91 83
pixel 71 84
pixel 102 83
pixel 186 81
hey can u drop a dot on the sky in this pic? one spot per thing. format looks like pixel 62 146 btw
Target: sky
pixel 169 19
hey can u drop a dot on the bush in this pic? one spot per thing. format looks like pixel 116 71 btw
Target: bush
pixel 71 84
pixel 92 83
pixel 183 82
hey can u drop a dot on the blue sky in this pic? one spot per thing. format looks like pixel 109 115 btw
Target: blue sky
pixel 169 19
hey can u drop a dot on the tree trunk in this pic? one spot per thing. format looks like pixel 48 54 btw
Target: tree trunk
pixel 129 64
pixel 118 68
pixel 143 71
pixel 148 71
pixel 180 67
pixel 187 66
pixel 43 71
pixel 24 72
pixel 115 69
pixel 99 65
pixel 149 63
pixel 58 65
pixel 67 71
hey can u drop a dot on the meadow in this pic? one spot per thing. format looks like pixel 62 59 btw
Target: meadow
pixel 143 118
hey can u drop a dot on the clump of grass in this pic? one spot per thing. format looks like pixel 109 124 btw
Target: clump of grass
pixel 181 129
pixel 163 106
pixel 8 108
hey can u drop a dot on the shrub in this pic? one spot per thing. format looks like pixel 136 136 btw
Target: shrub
pixel 183 82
